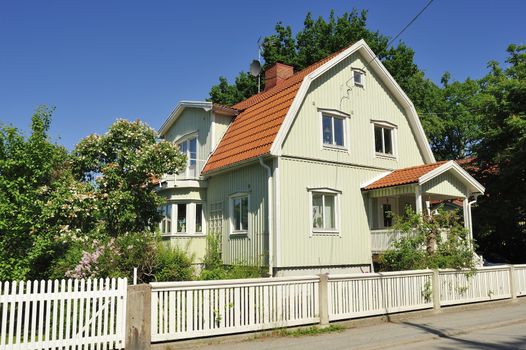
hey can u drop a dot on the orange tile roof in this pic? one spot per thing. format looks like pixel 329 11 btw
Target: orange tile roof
pixel 403 176
pixel 253 131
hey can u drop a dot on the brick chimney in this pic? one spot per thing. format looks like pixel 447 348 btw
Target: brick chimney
pixel 276 74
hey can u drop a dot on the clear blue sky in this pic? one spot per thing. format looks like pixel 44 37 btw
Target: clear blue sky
pixel 96 61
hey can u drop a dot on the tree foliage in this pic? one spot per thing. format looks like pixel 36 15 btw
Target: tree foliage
pixel 429 241
pixel 32 174
pixel 500 218
pixel 121 167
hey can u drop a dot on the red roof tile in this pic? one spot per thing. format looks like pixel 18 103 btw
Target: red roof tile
pixel 253 131
pixel 403 176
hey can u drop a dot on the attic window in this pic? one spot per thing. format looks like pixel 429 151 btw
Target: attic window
pixel 358 77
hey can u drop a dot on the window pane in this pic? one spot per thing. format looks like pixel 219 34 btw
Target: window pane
pixel 317 210
pixel 237 214
pixel 327 130
pixel 387 215
pixel 244 213
pixel 181 218
pixel 388 141
pixel 166 222
pixel 198 217
pixel 338 131
pixel 358 77
pixel 192 148
pixel 329 211
pixel 183 147
pixel 378 139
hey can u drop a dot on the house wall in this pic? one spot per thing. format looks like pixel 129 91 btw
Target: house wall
pixel 193 120
pixel 253 247
pixel 445 184
pixel 221 125
pixel 296 246
pixel 335 90
pixel 195 247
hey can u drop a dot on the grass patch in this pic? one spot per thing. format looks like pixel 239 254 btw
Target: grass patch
pixel 314 330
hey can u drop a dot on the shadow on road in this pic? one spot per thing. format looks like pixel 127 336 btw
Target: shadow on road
pixel 516 343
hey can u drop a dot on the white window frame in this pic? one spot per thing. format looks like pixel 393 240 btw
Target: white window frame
pixel 231 199
pixel 186 139
pixel 190 229
pixel 337 205
pixel 362 73
pixel 333 113
pixel 394 139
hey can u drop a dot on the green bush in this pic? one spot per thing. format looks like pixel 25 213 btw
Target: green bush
pixel 117 257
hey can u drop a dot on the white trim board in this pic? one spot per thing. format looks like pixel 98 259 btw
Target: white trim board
pixel 362 47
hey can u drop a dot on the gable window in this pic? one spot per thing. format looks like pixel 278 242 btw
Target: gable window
pixel 239 214
pixel 189 149
pixel 324 211
pixel 384 139
pixel 358 77
pixel 333 130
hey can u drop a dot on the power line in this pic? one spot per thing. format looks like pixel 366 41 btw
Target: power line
pixel 401 31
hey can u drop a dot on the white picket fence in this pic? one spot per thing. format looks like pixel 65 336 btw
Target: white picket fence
pixel 193 309
pixel 520 273
pixel 182 310
pixel 359 295
pixel 72 314
pixel 488 283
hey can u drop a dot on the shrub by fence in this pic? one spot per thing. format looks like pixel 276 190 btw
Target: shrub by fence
pixel 63 314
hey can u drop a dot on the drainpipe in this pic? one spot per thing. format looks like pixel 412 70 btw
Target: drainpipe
pixel 470 220
pixel 270 221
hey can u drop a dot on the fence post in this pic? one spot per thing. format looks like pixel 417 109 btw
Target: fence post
pixel 324 299
pixel 138 317
pixel 435 285
pixel 513 283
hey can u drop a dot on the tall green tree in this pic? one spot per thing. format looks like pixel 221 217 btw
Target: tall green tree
pixel 122 167
pixel 31 169
pixel 500 218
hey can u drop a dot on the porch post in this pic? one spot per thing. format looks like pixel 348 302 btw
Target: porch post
pixel 418 198
pixel 467 218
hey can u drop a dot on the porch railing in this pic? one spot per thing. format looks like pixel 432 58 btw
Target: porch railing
pixel 383 239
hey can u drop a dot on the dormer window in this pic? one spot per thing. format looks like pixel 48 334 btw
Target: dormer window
pixel 358 77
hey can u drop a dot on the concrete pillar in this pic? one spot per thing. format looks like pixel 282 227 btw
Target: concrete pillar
pixel 323 294
pixel 513 283
pixel 138 317
pixel 435 285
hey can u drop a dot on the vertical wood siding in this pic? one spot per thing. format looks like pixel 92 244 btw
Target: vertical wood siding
pixel 297 246
pixel 253 247
pixel 334 90
pixel 445 184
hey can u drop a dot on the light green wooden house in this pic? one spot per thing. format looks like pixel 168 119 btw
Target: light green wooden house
pixel 302 177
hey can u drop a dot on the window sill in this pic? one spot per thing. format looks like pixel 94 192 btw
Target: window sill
pixel 335 148
pixel 239 233
pixel 325 233
pixel 386 156
pixel 183 235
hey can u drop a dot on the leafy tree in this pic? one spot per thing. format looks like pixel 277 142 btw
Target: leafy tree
pixel 500 217
pixel 32 173
pixel 422 245
pixel 121 167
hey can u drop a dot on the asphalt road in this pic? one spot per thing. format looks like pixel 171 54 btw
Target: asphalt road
pixel 495 326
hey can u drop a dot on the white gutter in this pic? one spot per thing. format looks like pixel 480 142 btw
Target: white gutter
pixel 270 221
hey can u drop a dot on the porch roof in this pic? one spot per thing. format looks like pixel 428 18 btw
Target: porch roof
pixel 421 174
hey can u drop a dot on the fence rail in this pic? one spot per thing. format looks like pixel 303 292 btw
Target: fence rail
pixel 191 309
pixel 63 314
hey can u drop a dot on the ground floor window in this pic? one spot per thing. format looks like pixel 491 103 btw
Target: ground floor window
pixel 324 211
pixel 239 214
pixel 188 216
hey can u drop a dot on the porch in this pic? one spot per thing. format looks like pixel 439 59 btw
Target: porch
pixel 423 189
